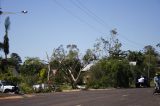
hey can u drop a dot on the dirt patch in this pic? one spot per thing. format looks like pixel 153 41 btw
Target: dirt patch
pixel 14 96
pixel 6 94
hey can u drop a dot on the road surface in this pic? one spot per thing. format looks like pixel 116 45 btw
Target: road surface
pixel 113 97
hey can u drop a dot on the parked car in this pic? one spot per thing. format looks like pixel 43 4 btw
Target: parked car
pixel 39 87
pixel 8 87
pixel 52 87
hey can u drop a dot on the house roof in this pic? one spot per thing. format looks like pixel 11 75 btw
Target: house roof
pixel 87 67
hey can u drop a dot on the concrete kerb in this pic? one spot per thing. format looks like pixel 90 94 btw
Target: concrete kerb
pixel 77 90
pixel 74 90
pixel 101 89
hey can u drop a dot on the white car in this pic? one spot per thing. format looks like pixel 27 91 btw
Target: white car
pixel 8 87
pixel 38 87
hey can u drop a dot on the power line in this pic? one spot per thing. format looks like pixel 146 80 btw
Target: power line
pixel 92 15
pixel 77 17
pixel 133 42
pixel 130 44
pixel 98 19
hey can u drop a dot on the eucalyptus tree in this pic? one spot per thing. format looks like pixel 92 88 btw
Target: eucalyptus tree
pixel 68 64
pixel 150 50
pixel 89 56
pixel 56 65
pixel 58 54
pixel 158 45
pixel 109 47
pixel 73 64
pixel 72 51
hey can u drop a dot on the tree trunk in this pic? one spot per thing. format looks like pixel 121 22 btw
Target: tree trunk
pixel 5 56
pixel 74 85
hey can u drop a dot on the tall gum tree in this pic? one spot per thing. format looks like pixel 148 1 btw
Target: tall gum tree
pixel 70 65
pixel 109 47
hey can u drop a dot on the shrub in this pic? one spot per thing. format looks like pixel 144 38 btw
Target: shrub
pixel 25 88
pixel 110 73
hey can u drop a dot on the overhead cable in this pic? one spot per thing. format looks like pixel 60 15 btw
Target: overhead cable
pixel 77 17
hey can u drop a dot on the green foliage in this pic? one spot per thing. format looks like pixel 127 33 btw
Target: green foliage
pixel 66 86
pixel 109 47
pixel 13 79
pixel 16 58
pixel 58 54
pixel 8 76
pixel 72 51
pixel 59 78
pixel 110 73
pixel 89 56
pixel 43 75
pixel 121 74
pixel 8 73
pixel 31 66
pixel 138 57
pixel 26 88
pixel 150 50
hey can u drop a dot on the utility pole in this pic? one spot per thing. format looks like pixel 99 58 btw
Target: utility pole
pixel 149 67
pixel 49 67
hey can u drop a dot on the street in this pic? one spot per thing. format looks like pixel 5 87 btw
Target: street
pixel 112 97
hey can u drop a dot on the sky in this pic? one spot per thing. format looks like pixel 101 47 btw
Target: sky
pixel 50 23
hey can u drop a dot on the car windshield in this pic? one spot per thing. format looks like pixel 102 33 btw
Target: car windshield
pixel 6 83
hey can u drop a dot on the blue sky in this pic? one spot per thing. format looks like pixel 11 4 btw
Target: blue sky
pixel 50 23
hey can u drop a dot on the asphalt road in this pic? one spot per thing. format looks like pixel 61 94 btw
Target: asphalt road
pixel 114 97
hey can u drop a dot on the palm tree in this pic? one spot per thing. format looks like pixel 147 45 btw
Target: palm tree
pixel 1 45
pixel 6 39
